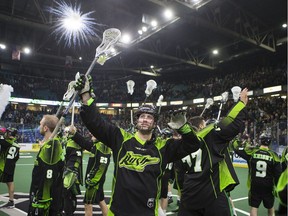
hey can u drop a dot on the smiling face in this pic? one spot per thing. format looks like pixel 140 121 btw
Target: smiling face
pixel 145 123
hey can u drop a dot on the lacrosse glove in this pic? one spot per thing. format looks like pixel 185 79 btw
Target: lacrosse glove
pixel 84 84
pixel 177 119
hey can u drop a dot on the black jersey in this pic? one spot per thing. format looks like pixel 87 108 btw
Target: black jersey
pixel 264 166
pixel 210 168
pixel 47 182
pixel 99 160
pixel 73 159
pixel 139 165
pixel 9 155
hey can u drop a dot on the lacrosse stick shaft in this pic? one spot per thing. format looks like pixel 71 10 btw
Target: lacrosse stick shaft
pixel 159 129
pixel 159 110
pixel 73 114
pixel 203 111
pixel 219 113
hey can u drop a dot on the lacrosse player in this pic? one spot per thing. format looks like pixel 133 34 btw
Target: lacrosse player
pixel 210 175
pixel 9 155
pixel 47 182
pixel 98 163
pixel 73 173
pixel 140 158
pixel 264 171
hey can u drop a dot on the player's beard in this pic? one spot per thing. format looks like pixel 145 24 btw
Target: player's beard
pixel 145 130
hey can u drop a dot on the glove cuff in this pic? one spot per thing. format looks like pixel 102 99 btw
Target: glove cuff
pixel 185 129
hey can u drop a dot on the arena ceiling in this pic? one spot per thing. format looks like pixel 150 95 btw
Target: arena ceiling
pixel 237 28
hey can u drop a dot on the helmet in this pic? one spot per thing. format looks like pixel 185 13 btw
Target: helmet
pixel 145 108
pixel 265 139
pixel 12 131
pixel 3 130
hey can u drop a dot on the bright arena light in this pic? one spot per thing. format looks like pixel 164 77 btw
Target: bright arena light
pixel 140 32
pixel 71 25
pixel 168 13
pixel 284 25
pixel 3 46
pixel 144 28
pixel 27 50
pixel 215 52
pixel 126 38
pixel 154 23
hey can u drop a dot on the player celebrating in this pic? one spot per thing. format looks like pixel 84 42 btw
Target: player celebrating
pixel 140 158
pixel 211 173
pixel 264 172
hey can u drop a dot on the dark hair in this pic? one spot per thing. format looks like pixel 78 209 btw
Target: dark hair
pixel 196 121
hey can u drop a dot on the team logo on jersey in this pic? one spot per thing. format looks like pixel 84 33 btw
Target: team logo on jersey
pixel 150 202
pixel 137 162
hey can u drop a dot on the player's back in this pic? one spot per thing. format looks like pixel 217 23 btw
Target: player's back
pixel 263 164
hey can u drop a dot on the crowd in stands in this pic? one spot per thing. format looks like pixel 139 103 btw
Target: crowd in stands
pixel 263 112
pixel 114 89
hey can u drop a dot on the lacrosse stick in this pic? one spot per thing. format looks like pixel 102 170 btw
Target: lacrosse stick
pixel 110 37
pixel 130 88
pixel 159 103
pixel 209 102
pixel 236 93
pixel 224 98
pixel 151 85
pixel 5 93
pixel 73 113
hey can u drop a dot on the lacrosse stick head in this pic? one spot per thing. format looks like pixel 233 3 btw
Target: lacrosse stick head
pixel 110 37
pixel 150 86
pixel 70 90
pixel 236 92
pixel 224 97
pixel 130 86
pixel 209 102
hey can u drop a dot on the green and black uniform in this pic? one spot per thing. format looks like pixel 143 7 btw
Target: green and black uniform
pixel 139 165
pixel 281 188
pixel 9 155
pixel 73 175
pixel 98 163
pixel 211 173
pixel 264 172
pixel 47 182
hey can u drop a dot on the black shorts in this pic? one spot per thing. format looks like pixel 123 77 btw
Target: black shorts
pixel 94 195
pixel 220 206
pixel 5 178
pixel 258 194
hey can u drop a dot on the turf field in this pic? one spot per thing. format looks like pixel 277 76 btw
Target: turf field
pixel 23 179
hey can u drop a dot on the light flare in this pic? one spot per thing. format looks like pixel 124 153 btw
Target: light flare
pixel 71 25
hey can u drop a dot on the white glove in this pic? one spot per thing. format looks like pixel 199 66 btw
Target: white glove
pixel 178 119
pixel 83 84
